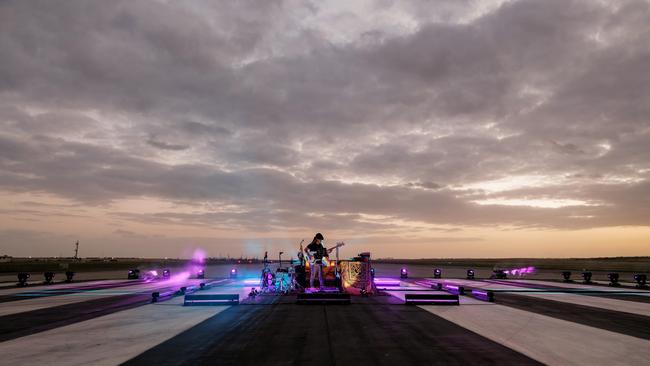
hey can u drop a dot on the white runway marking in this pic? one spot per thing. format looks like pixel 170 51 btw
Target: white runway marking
pixel 578 285
pixel 546 339
pixel 60 286
pixel 107 340
pixel 632 307
pixel 20 306
pixel 464 300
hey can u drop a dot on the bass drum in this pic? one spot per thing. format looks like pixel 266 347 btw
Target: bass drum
pixel 282 280
pixel 268 279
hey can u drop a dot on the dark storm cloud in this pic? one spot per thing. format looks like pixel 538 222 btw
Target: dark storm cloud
pixel 255 105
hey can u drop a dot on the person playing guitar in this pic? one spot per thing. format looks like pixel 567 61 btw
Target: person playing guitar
pixel 317 255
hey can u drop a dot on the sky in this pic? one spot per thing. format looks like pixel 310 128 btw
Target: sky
pixel 449 128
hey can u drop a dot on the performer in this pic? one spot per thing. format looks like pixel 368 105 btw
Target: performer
pixel 318 250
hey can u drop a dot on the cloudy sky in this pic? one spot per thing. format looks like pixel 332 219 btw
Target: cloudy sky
pixel 449 128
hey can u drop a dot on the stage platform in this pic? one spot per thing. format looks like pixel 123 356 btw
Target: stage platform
pixel 530 322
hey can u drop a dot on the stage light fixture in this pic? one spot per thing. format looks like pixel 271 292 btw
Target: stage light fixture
pixel 201 286
pixel 403 273
pixel 22 279
pixel 68 276
pixel 567 276
pixel 363 292
pixel 200 273
pixel 183 290
pixel 641 280
pixel 454 289
pixel 166 274
pixel 372 272
pixel 385 281
pixel 586 277
pixel 133 274
pixel 49 276
pixel 233 273
pixel 470 274
pixel 437 273
pixel 483 295
pixel 500 274
pixel 155 296
pixel 613 279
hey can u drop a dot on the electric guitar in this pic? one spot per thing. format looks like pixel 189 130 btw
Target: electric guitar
pixel 310 255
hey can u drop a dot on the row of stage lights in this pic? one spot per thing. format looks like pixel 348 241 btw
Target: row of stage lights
pixel 134 274
pixel 640 278
pixel 437 273
pixel 48 277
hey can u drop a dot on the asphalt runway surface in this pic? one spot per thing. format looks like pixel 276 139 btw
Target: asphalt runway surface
pixel 115 323
pixel 290 334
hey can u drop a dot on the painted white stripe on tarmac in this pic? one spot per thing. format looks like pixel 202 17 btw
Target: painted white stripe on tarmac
pixel 577 285
pixel 107 340
pixel 632 307
pixel 546 339
pixel 464 300
pixel 58 286
pixel 574 286
pixel 21 306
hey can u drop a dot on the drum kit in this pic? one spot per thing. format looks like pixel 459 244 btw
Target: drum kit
pixel 283 281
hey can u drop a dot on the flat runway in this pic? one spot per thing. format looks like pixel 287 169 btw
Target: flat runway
pixel 281 334
pixel 113 322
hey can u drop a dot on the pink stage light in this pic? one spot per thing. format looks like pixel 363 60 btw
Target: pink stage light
pixel 179 278
pixel 520 271
pixel 383 281
pixel 198 256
